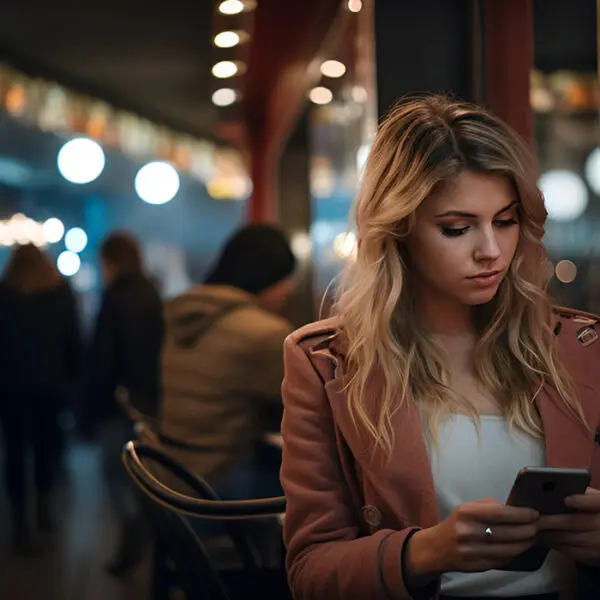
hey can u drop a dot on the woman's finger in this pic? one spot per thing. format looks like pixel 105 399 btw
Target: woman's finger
pixel 499 533
pixel 570 538
pixel 498 513
pixel 571 522
pixel 589 502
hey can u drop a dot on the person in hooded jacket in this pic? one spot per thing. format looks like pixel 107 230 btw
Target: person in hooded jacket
pixel 222 362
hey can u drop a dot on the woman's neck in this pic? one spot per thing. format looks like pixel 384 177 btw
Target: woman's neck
pixel 450 325
pixel 445 317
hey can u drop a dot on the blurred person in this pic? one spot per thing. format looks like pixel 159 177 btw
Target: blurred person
pixel 39 359
pixel 125 353
pixel 444 371
pixel 223 363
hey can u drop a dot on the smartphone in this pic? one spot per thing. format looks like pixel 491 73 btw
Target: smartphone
pixel 545 490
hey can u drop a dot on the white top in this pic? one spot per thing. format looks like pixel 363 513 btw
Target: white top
pixel 468 468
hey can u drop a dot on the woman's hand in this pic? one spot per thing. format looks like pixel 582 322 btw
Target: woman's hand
pixel 477 536
pixel 578 534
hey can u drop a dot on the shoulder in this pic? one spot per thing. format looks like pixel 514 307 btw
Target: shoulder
pixel 316 335
pixel 577 334
pixel 576 328
pixel 318 346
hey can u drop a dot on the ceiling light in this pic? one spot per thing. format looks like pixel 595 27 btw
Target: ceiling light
pixel 354 5
pixel 566 271
pixel 231 7
pixel 227 39
pixel 224 97
pixel 333 68
pixel 157 182
pixel 53 230
pixel 301 245
pixel 224 69
pixel 321 95
pixel 565 194
pixel 68 263
pixel 21 228
pixel 359 94
pixel 80 160
pixel 592 170
pixel 76 239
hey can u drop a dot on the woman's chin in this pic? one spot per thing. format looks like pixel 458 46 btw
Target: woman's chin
pixel 483 296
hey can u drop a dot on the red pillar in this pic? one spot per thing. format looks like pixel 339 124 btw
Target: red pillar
pixel 262 206
pixel 509 56
pixel 286 37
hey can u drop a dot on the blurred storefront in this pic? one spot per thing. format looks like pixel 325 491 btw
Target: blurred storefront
pixel 73 168
pixel 565 101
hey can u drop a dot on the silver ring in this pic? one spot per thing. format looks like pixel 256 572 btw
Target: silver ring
pixel 488 532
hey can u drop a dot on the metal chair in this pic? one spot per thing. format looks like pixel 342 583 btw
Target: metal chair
pixel 181 558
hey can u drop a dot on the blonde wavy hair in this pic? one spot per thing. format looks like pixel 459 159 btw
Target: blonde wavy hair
pixel 423 143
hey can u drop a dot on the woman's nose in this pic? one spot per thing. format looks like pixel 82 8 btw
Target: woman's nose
pixel 487 248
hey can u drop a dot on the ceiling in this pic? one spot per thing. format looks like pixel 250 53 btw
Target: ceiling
pixel 565 35
pixel 155 59
pixel 151 59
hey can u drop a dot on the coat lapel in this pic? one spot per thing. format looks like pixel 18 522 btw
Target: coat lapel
pixel 402 481
pixel 568 445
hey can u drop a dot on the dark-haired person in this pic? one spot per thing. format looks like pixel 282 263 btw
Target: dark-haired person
pixel 223 359
pixel 39 359
pixel 125 352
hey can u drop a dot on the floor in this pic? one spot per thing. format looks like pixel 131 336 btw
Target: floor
pixel 69 565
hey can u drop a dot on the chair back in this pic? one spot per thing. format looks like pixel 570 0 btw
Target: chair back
pixel 182 546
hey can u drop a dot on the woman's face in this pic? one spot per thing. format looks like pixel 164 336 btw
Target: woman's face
pixel 464 240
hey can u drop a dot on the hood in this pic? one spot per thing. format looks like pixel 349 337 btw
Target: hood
pixel 191 315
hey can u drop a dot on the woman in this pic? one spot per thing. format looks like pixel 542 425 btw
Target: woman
pixel 39 359
pixel 443 372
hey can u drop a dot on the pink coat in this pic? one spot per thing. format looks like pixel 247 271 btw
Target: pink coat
pixel 349 512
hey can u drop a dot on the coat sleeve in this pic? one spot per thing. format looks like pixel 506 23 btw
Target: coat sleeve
pixel 325 555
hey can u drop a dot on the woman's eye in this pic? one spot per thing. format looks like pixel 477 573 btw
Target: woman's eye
pixel 454 231
pixel 506 222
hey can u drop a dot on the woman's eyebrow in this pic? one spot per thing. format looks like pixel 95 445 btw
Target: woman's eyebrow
pixel 467 215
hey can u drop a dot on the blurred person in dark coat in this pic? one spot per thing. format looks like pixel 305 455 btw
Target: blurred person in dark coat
pixel 39 358
pixel 125 353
